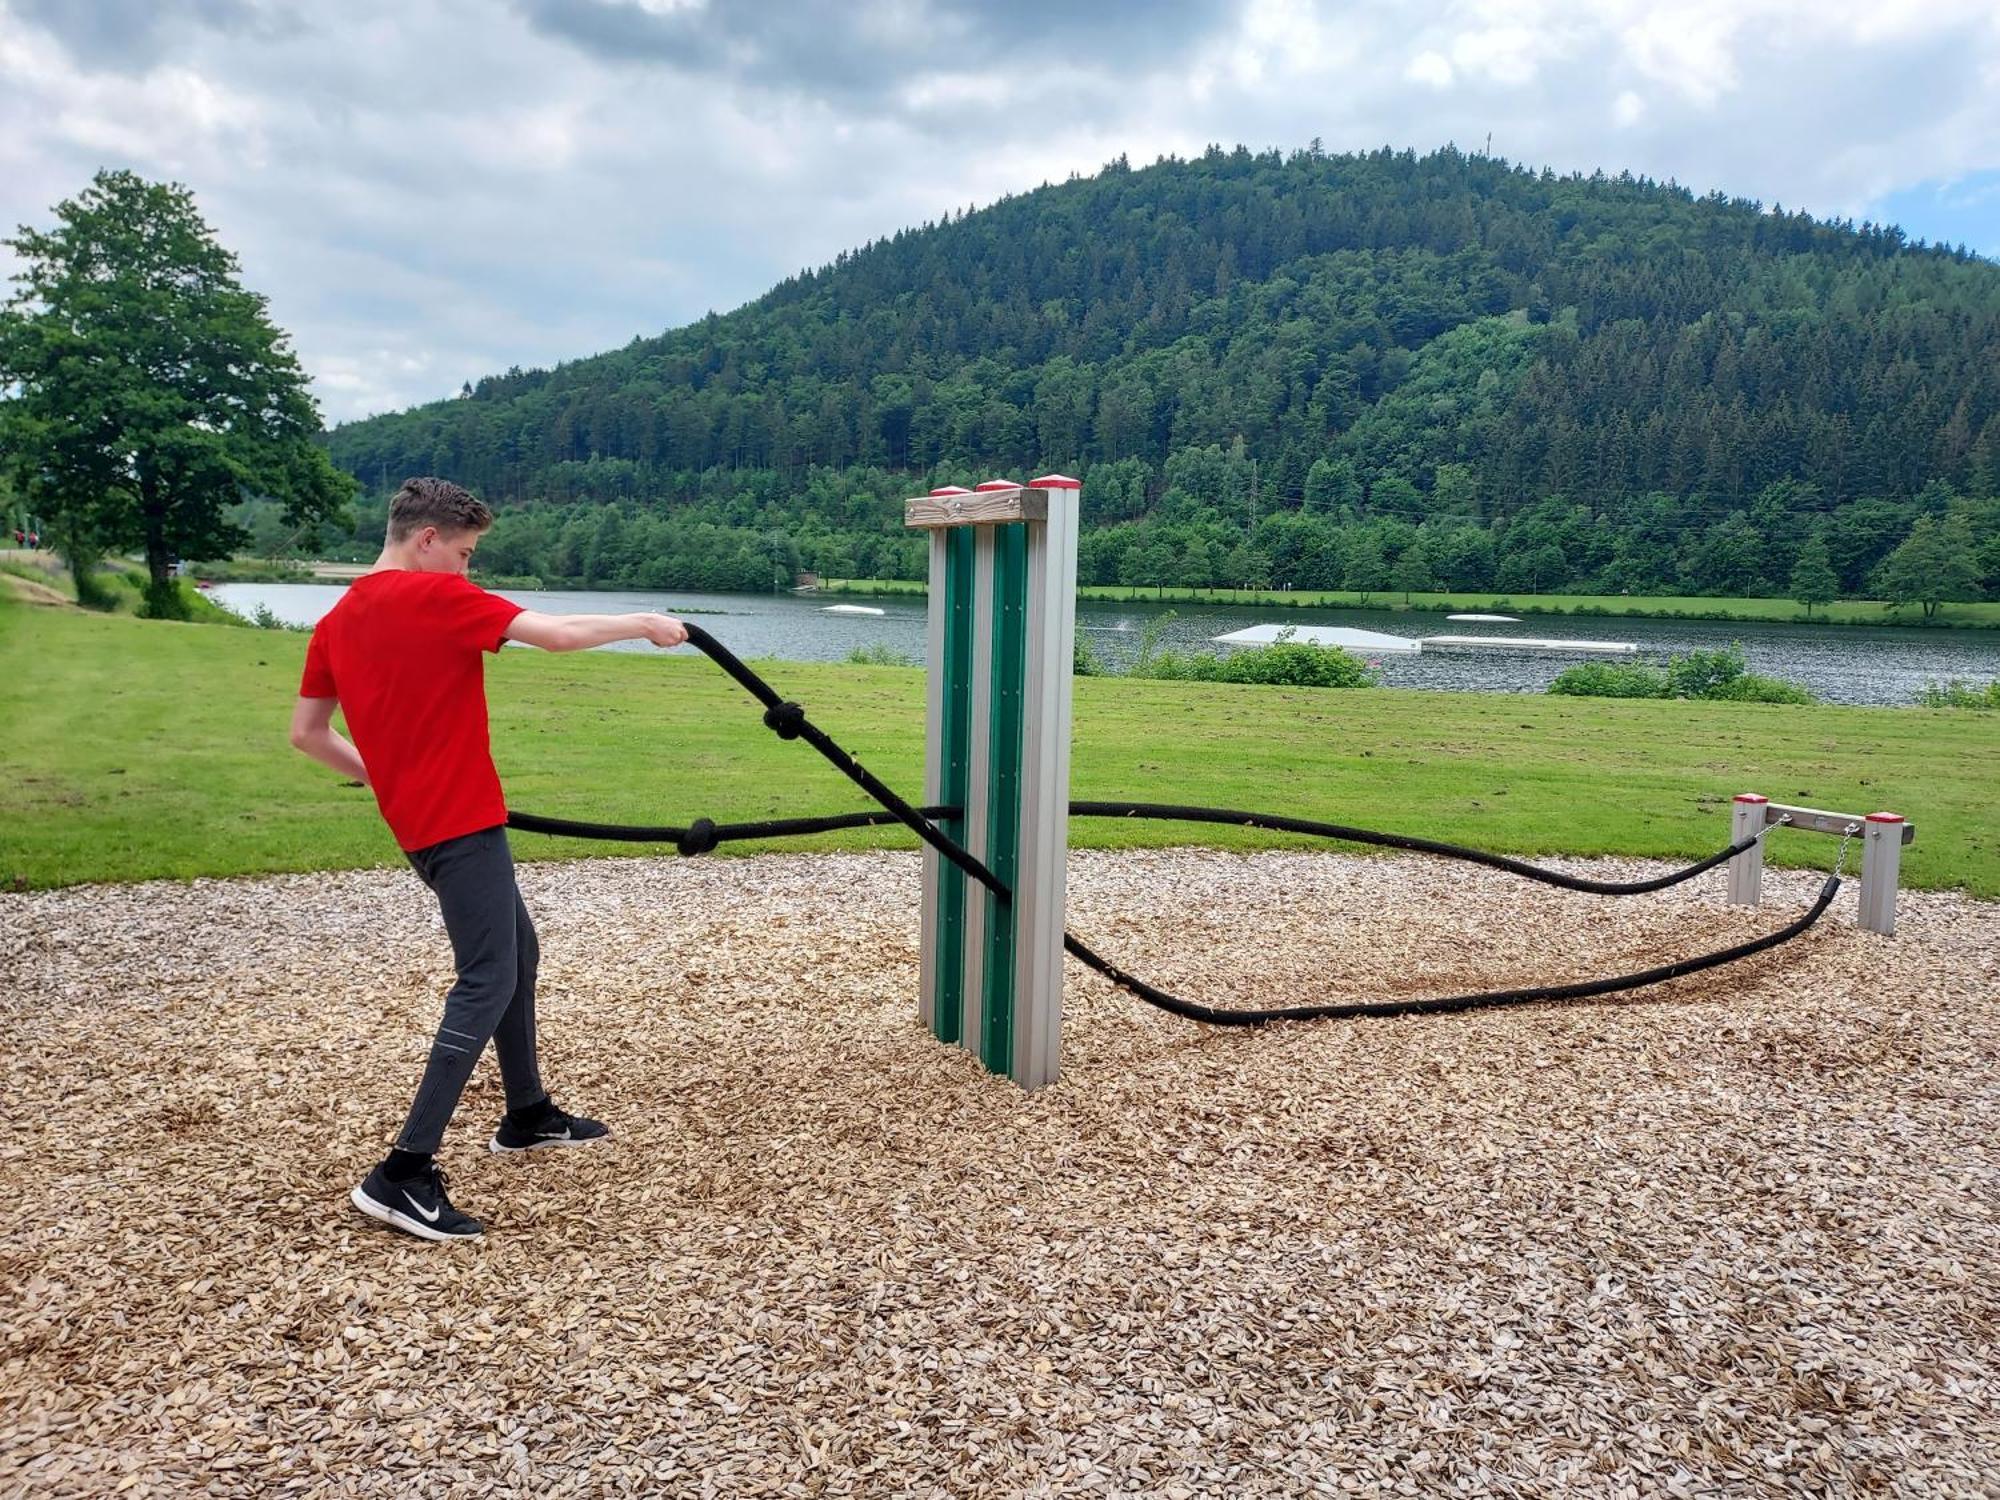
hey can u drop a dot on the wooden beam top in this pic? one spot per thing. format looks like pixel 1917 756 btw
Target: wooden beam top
pixel 977 508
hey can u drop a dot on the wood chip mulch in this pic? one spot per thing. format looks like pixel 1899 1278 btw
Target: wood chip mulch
pixel 1733 1236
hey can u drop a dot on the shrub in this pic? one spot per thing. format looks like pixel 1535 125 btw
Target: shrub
pixel 1603 679
pixel 1284 663
pixel 1753 687
pixel 92 591
pixel 1956 694
pixel 1702 674
pixel 1713 675
pixel 878 654
pixel 265 618
pixel 165 600
pixel 1295 664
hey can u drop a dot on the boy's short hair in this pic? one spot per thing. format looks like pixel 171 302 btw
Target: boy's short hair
pixel 435 502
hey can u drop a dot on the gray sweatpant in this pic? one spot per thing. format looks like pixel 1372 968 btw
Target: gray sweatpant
pixel 493 944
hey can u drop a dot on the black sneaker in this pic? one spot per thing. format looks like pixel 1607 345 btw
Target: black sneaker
pixel 416 1205
pixel 554 1128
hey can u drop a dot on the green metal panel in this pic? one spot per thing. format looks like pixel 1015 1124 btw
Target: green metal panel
pixel 948 1009
pixel 1003 800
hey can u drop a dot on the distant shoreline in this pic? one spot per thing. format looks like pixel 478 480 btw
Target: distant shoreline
pixel 1845 612
pixel 1860 612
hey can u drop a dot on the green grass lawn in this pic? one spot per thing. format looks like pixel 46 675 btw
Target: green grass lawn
pixel 1984 616
pixel 131 749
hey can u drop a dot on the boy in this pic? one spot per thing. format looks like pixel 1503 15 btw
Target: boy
pixel 399 655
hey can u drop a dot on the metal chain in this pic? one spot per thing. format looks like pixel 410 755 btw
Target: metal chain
pixel 1846 838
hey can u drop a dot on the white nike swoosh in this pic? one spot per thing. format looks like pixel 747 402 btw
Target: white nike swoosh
pixel 430 1214
pixel 550 1135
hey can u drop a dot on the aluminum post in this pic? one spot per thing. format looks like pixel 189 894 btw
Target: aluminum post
pixel 1746 870
pixel 1881 867
pixel 1002 644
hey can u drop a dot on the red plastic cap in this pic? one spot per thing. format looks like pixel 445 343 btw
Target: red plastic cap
pixel 1883 818
pixel 997 484
pixel 1055 482
pixel 950 489
pixel 1751 797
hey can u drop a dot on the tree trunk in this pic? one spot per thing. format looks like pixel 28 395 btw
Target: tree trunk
pixel 163 593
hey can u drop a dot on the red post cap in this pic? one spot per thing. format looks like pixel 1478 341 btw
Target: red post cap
pixel 1750 797
pixel 997 484
pixel 1883 818
pixel 950 489
pixel 1055 482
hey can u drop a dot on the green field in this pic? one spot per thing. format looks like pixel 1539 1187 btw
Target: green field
pixel 131 749
pixel 1982 616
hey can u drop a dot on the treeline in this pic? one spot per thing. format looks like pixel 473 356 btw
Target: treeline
pixel 1649 384
pixel 759 532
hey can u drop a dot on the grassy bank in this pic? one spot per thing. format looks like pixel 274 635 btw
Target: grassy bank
pixel 125 581
pixel 1984 616
pixel 131 749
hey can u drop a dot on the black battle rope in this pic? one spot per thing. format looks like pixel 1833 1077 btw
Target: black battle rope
pixel 1582 989
pixel 788 720
pixel 1341 831
pixel 703 835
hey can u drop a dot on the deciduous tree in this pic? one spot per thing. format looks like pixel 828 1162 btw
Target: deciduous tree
pixel 149 390
pixel 1932 566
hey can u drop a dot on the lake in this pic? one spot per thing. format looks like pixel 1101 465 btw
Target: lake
pixel 1841 664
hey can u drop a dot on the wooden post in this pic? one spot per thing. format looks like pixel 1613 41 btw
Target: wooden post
pixel 1746 870
pixel 1881 865
pixel 1002 641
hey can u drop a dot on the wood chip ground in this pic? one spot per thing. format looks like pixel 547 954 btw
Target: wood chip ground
pixel 1733 1236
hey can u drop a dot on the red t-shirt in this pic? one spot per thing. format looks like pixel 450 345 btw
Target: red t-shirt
pixel 401 651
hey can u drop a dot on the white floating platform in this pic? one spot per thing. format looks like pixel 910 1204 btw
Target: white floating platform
pixel 1524 644
pixel 1485 619
pixel 852 609
pixel 1359 641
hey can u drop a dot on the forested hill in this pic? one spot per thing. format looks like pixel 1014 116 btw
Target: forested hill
pixel 1278 370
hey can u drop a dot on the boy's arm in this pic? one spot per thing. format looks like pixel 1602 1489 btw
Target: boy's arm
pixel 313 732
pixel 581 632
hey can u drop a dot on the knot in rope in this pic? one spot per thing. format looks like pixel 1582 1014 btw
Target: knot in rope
pixel 699 839
pixel 786 719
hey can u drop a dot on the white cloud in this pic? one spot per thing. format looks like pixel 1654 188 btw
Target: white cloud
pixel 1507 54
pixel 1433 68
pixel 1688 49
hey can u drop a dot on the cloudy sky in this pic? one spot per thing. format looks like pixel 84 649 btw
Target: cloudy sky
pixel 432 190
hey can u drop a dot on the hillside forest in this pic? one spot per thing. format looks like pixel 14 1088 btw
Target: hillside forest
pixel 1378 371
